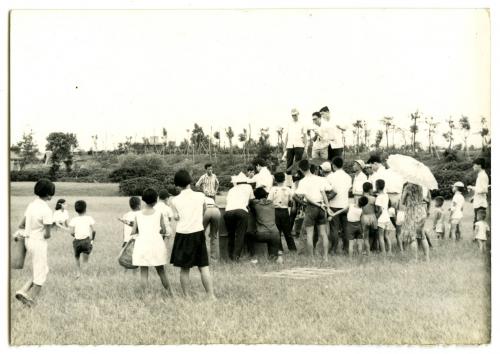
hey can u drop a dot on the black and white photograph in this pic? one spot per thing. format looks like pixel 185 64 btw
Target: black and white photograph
pixel 254 175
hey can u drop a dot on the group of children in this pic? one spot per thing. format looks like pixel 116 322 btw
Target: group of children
pixel 371 221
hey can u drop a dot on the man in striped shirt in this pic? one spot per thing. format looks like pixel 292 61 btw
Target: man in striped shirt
pixel 208 183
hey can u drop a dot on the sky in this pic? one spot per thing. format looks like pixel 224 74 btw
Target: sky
pixel 130 73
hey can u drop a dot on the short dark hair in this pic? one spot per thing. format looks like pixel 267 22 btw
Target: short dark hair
pixel 251 168
pixel 313 168
pixel 59 203
pixel 304 165
pixel 149 196
pixel 182 178
pixel 134 203
pixel 260 162
pixel 316 114
pixel 44 188
pixel 439 201
pixel 324 109
pixel 362 201
pixel 80 206
pixel 338 162
pixel 380 184
pixel 481 162
pixel 207 165
pixel 374 158
pixel 279 177
pixel 260 193
pixel 367 186
pixel 481 212
pixel 163 194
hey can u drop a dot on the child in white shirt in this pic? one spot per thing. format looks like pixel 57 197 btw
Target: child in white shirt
pixel 165 210
pixel 129 218
pixel 481 230
pixel 61 216
pixel 385 227
pixel 82 229
pixel 456 210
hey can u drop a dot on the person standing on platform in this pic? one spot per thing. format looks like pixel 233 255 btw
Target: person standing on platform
pixel 295 141
pixel 319 138
pixel 336 146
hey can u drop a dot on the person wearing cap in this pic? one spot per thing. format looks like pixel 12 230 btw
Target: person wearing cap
pixel 358 180
pixel 456 210
pixel 335 143
pixel 295 141
pixel 480 201
pixel 341 183
pixel 319 138
pixel 236 214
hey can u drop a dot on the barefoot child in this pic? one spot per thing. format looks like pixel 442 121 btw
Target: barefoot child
pixel 82 229
pixel 354 231
pixel 369 218
pixel 37 224
pixel 189 249
pixel 438 218
pixel 61 216
pixel 456 210
pixel 385 227
pixel 149 248
pixel 481 230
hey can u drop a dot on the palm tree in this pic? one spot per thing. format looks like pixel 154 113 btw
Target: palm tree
pixel 366 133
pixel 358 125
pixel 230 135
pixel 279 132
pixel 242 137
pixel 449 135
pixel 414 127
pixel 484 134
pixel 217 137
pixel 387 121
pixel 465 126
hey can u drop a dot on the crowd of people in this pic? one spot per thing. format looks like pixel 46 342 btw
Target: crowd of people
pixel 307 202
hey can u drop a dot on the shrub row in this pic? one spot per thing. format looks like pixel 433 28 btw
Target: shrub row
pixel 135 186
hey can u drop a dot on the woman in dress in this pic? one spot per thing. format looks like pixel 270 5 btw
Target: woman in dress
pixel 149 248
pixel 415 213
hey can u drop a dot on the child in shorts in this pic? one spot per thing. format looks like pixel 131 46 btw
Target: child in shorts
pixel 438 218
pixel 385 227
pixel 354 231
pixel 369 218
pixel 281 196
pixel 456 210
pixel 481 230
pixel 82 229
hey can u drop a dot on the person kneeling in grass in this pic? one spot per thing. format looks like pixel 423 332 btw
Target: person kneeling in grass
pixel 354 232
pixel 189 249
pixel 149 247
pixel 82 229
pixel 267 231
pixel 415 215
pixel 37 223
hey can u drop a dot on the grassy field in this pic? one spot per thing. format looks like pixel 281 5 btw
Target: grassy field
pixel 69 189
pixel 375 301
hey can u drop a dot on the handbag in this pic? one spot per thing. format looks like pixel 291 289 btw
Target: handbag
pixel 18 254
pixel 125 256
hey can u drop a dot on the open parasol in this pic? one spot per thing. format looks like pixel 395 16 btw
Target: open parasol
pixel 412 170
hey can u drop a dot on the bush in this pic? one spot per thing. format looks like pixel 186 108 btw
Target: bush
pixel 135 186
pixel 123 173
pixel 31 175
pixel 450 155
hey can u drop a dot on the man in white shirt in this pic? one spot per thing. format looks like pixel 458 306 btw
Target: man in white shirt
pixel 236 215
pixel 358 180
pixel 341 183
pixel 377 168
pixel 295 141
pixel 312 189
pixel 480 201
pixel 208 183
pixel 319 137
pixel 336 145
pixel 263 178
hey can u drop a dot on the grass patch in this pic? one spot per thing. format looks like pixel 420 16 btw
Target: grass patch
pixel 378 301
pixel 68 189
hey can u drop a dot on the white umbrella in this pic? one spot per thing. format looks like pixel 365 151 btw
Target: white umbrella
pixel 412 171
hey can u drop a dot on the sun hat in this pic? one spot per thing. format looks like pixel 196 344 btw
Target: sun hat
pixel 295 112
pixel 239 178
pixel 326 166
pixel 361 163
pixel 458 184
